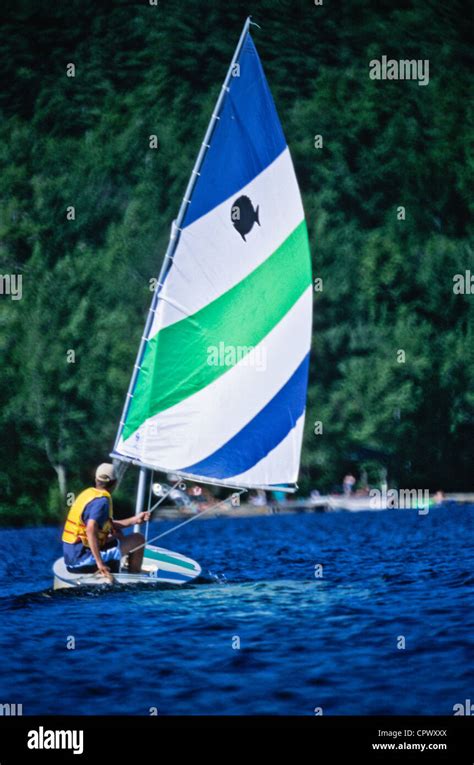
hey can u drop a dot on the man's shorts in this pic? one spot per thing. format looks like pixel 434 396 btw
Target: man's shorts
pixel 110 556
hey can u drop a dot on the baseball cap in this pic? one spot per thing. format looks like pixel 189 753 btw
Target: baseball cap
pixel 106 473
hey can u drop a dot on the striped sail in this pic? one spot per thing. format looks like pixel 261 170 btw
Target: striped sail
pixel 221 388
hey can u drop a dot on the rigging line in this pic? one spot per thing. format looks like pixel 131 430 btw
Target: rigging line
pixel 188 520
pixel 152 509
pixel 171 488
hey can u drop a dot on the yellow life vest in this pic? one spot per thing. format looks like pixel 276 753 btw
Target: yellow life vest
pixel 75 528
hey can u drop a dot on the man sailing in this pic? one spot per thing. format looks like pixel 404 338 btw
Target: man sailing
pixel 92 539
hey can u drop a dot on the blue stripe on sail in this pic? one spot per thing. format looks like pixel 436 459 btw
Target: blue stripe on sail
pixel 247 138
pixel 260 435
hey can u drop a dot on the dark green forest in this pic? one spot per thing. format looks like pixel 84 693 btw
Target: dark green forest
pixel 387 279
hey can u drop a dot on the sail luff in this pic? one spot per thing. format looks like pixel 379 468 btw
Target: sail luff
pixel 175 232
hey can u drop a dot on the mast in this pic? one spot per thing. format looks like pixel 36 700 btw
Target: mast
pixel 168 258
pixel 140 499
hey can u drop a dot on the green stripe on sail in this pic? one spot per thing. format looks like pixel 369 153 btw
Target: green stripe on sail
pixel 176 361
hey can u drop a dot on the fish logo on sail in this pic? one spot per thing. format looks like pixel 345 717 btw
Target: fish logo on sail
pixel 243 215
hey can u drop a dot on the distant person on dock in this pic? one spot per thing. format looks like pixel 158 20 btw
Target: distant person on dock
pixel 279 497
pixel 202 497
pixel 258 498
pixel 92 539
pixel 348 484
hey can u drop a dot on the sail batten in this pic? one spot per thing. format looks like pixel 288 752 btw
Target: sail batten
pixel 221 390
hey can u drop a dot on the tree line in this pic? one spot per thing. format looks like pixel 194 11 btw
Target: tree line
pixel 385 168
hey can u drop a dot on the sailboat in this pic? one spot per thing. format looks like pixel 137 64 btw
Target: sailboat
pixel 218 390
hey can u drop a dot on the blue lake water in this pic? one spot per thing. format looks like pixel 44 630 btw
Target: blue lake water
pixel 305 642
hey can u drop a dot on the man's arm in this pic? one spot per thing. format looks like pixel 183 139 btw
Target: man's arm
pixel 92 536
pixel 125 522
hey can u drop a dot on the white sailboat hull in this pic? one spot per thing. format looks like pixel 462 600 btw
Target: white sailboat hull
pixel 160 566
